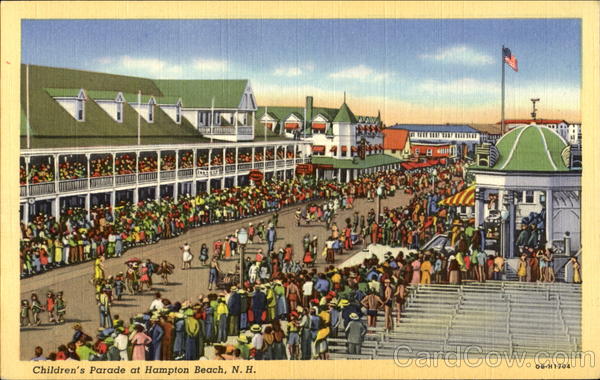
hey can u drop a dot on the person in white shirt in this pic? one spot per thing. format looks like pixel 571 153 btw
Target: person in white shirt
pixel 157 304
pixel 121 344
pixel 257 341
pixel 307 291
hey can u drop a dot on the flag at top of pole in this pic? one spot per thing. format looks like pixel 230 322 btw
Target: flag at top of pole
pixel 510 59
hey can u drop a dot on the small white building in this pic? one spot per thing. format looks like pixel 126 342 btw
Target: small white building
pixel 534 176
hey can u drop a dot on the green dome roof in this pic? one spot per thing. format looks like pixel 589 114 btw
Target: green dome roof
pixel 531 148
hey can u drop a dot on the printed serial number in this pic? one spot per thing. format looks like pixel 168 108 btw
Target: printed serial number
pixel 553 366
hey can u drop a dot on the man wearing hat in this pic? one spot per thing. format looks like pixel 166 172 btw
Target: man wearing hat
pixel 234 306
pixel 120 343
pixel 155 332
pixel 355 334
pixel 257 341
pixel 243 346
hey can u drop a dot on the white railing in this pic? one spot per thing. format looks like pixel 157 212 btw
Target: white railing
pixel 23 190
pixel 147 177
pixel 42 188
pixel 259 165
pixel 289 162
pixel 217 170
pixel 185 173
pixel 168 175
pixel 202 172
pixel 246 131
pixel 125 179
pixel 100 182
pixel 73 185
pixel 269 164
pixel 230 169
pixel 245 166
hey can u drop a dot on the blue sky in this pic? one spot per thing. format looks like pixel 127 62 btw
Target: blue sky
pixel 413 70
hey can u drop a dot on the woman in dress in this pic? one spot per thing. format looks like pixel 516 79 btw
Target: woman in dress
pixel 139 341
pixel 576 270
pixel 99 268
pixel 416 272
pixel 522 268
pixel 144 277
pixel 453 271
pixel 203 254
pixel 187 256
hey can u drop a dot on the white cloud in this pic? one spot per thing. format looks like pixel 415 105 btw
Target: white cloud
pixel 362 73
pixel 460 54
pixel 463 86
pixel 208 64
pixel 104 60
pixel 151 65
pixel 294 71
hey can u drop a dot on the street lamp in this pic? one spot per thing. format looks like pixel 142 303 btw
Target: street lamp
pixel 242 238
pixel 379 194
pixel 434 173
pixel 504 214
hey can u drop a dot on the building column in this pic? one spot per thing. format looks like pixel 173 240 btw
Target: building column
pixel 113 201
pixel 509 238
pixel 136 194
pixel 88 204
pixel 479 206
pixel 56 208
pixel 549 225
pixel 26 212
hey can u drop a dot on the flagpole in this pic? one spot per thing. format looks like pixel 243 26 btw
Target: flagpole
pixel 502 114
pixel 264 126
pixel 139 116
pixel 27 105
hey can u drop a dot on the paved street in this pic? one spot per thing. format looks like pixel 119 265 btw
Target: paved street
pixel 74 281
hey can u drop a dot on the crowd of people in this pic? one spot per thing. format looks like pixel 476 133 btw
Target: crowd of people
pixel 285 308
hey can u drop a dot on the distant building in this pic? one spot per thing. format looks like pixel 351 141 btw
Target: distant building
pixel 430 150
pixel 570 132
pixel 461 138
pixel 343 145
pixel 533 177
pixel 396 143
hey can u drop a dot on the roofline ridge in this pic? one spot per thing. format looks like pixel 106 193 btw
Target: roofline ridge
pixel 514 147
pixel 546 149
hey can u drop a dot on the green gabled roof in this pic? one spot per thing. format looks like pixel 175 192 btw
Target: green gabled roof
pixel 51 125
pixel 278 113
pixel 369 161
pixel 345 115
pixel 531 148
pixel 200 93
pixel 64 92
pixel 133 98
pixel 297 114
pixel 102 95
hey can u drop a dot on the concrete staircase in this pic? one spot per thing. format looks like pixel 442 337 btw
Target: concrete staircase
pixel 506 317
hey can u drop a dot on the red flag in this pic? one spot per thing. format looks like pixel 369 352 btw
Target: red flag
pixel 510 59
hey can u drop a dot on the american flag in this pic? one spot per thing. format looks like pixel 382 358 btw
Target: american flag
pixel 510 59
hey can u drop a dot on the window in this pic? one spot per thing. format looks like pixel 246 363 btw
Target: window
pixel 429 152
pixel 417 151
pixel 80 114
pixel 344 153
pixel 120 112
pixel 393 150
pixel 518 197
pixel 150 113
pixel 529 196
pixel 178 114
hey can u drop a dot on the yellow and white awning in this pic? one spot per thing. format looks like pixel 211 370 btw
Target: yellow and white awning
pixel 462 198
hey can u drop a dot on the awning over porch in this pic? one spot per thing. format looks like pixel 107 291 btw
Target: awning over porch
pixel 462 198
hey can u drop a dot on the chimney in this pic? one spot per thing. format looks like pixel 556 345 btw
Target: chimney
pixel 309 108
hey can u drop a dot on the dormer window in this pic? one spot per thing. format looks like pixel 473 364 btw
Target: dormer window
pixel 120 112
pixel 80 110
pixel 80 106
pixel 150 113
pixel 178 113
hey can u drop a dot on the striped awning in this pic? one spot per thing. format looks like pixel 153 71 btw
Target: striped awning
pixel 462 198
